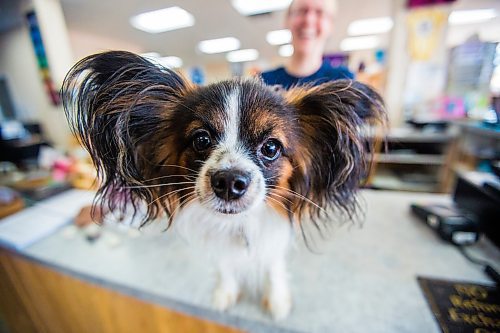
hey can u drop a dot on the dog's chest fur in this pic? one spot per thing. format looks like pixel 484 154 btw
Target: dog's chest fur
pixel 250 241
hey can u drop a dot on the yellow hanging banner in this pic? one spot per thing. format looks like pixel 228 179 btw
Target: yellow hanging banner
pixel 425 30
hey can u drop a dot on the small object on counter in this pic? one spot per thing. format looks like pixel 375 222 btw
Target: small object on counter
pixel 10 202
pixel 83 175
pixel 38 185
pixel 112 240
pixel 70 232
pixel 56 161
pixel 85 217
pixel 92 232
pixel 61 169
pixel 9 174
pixel 33 180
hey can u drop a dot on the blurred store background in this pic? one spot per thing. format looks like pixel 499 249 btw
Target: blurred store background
pixel 437 64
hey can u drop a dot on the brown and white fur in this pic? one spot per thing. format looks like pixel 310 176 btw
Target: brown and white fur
pixel 235 165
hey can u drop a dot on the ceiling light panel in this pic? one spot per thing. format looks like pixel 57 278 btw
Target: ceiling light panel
pixel 371 26
pixel 219 45
pixel 458 17
pixel 359 43
pixel 161 20
pixel 156 58
pixel 170 62
pixel 279 37
pixel 150 55
pixel 286 50
pixel 243 55
pixel 255 7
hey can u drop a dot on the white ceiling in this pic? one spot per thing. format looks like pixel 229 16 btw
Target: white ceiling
pixel 214 19
pixel 109 20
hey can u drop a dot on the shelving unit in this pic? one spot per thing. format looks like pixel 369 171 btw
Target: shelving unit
pixel 416 161
pixel 396 158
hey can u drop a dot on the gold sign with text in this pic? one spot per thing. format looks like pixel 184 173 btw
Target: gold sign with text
pixel 463 307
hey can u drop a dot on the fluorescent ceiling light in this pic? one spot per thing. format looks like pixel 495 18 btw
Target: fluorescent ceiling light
pixel 279 37
pixel 219 45
pixel 242 55
pixel 471 16
pixel 286 50
pixel 254 7
pixel 170 62
pixel 150 55
pixel 359 43
pixel 371 26
pixel 161 20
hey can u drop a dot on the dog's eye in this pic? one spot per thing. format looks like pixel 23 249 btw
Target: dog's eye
pixel 271 149
pixel 202 141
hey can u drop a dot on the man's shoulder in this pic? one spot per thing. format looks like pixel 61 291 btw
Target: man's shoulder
pixel 274 76
pixel 273 72
pixel 338 72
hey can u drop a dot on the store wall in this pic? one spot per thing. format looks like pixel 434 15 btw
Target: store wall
pixel 84 44
pixel 18 63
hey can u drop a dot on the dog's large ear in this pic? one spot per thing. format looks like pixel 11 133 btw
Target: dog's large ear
pixel 116 102
pixel 331 159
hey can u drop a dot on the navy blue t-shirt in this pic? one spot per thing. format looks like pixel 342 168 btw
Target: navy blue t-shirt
pixel 324 74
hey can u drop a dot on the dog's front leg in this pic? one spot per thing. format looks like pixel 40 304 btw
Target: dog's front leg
pixel 277 298
pixel 227 290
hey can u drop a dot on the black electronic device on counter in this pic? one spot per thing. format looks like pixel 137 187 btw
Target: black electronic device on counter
pixel 450 223
pixel 475 210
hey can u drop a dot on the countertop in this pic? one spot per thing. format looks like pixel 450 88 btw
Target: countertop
pixel 363 278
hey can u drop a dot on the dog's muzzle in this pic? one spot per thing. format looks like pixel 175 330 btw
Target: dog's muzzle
pixel 230 184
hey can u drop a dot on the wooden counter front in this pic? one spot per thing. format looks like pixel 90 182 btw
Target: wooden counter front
pixel 34 298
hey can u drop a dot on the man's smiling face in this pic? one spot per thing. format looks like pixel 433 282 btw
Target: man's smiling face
pixel 310 22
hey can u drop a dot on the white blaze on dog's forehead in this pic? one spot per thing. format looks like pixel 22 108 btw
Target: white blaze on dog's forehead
pixel 232 109
pixel 231 152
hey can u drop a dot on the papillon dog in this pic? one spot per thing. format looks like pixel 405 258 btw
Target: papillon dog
pixel 240 165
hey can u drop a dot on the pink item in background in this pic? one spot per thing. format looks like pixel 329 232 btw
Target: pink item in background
pixel 60 169
pixel 449 107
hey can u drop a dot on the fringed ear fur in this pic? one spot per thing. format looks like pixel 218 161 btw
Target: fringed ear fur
pixel 115 103
pixel 332 157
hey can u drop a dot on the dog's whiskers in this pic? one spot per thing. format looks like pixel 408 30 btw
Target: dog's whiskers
pixel 178 166
pixel 159 185
pixel 189 200
pixel 300 196
pixel 280 203
pixel 280 196
pixel 169 176
pixel 273 177
pixel 170 193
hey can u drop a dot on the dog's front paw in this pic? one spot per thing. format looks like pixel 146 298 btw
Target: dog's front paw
pixel 224 298
pixel 279 305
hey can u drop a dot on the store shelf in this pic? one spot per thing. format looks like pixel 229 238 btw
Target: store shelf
pixel 416 159
pixel 390 180
pixel 405 135
pixel 411 160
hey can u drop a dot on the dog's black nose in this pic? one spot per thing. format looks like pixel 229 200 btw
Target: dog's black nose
pixel 230 184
